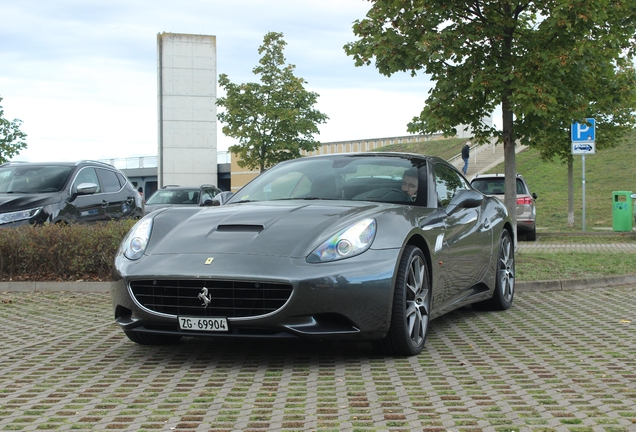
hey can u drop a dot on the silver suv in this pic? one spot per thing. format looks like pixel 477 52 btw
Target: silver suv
pixel 493 185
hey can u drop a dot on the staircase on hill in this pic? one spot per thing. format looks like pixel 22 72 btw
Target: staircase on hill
pixel 482 158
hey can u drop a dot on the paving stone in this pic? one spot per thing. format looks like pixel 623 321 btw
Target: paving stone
pixel 557 360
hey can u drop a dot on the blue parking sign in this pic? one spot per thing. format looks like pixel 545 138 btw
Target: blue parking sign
pixel 582 132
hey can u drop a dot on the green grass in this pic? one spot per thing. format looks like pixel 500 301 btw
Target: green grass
pixel 606 171
pixel 444 148
pixel 572 265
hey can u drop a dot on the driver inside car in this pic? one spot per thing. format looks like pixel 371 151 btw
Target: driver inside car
pixel 409 183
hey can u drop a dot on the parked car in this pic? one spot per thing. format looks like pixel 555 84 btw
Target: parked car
pixel 175 195
pixel 223 197
pixel 322 247
pixel 493 185
pixel 65 192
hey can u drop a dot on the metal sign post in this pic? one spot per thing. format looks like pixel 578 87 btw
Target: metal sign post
pixel 583 189
pixel 583 142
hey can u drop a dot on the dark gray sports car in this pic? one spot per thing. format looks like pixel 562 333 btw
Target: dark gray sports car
pixel 367 246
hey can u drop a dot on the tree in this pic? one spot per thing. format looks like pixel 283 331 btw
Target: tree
pixel 275 120
pixel 11 137
pixel 545 62
pixel 614 115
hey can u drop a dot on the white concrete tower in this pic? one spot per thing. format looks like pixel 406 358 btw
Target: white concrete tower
pixel 186 96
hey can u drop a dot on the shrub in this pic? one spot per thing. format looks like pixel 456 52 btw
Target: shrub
pixel 60 252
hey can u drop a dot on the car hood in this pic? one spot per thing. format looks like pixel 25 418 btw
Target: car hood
pixel 272 228
pixel 149 208
pixel 14 202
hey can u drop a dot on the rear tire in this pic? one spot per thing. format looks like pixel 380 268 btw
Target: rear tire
pixel 505 277
pixel 152 339
pixel 531 235
pixel 411 307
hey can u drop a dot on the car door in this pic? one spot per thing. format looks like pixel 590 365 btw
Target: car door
pixel 86 207
pixel 467 240
pixel 119 199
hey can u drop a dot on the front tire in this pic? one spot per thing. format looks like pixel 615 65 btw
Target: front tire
pixel 411 307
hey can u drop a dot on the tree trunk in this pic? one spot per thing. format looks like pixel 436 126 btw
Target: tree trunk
pixel 570 193
pixel 510 164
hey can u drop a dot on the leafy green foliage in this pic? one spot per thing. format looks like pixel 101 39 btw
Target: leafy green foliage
pixel 11 137
pixel 60 252
pixel 545 62
pixel 274 120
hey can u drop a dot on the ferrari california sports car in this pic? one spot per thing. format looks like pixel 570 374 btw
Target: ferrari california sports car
pixel 366 246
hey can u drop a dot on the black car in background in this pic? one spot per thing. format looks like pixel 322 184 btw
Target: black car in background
pixel 178 196
pixel 65 192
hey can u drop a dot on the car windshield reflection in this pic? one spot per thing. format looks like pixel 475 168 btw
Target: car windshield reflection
pixel 341 177
pixel 33 179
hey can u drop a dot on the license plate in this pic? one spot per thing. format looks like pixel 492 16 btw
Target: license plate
pixel 203 324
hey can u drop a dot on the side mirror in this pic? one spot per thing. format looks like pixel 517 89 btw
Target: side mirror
pixel 535 196
pixel 221 198
pixel 208 203
pixel 86 188
pixel 465 199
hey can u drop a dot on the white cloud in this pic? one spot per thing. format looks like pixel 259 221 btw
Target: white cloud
pixel 82 74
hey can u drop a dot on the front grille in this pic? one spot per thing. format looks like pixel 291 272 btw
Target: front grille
pixel 227 298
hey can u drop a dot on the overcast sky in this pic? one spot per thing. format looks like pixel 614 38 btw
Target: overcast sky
pixel 82 74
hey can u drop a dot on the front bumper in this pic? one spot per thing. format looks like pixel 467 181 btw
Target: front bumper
pixel 347 299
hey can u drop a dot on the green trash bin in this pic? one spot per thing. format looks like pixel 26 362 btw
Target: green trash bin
pixel 622 210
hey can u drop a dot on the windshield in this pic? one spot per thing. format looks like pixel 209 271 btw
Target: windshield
pixel 340 177
pixel 174 196
pixel 495 186
pixel 33 179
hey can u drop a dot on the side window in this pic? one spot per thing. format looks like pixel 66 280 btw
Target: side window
pixel 520 187
pixel 447 183
pixel 110 182
pixel 87 175
pixel 208 194
pixel 123 180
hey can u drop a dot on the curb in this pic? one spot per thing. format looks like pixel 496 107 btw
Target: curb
pixel 530 286
pixel 79 287
pixel 572 284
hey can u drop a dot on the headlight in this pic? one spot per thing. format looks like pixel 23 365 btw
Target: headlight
pixel 18 215
pixel 349 242
pixel 135 243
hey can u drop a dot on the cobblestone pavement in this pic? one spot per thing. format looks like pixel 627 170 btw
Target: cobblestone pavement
pixel 556 361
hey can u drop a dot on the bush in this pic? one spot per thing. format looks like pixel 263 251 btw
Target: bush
pixel 60 252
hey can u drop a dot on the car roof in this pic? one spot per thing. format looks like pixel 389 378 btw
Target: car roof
pixel 180 187
pixel 63 163
pixel 402 155
pixel 498 175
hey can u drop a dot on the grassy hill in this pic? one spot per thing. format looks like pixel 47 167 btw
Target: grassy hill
pixel 606 171
pixel 445 148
